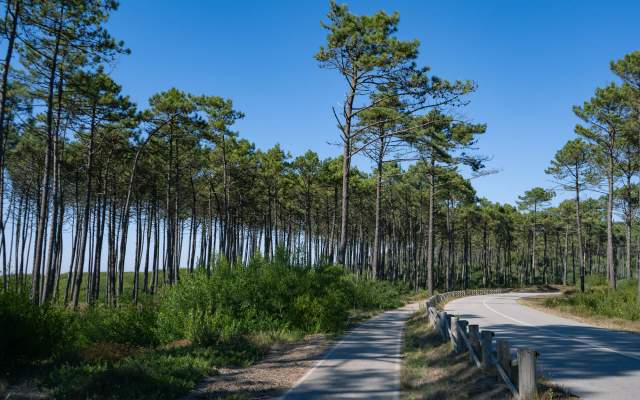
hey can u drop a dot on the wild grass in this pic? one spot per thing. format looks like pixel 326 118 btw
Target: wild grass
pixel 599 300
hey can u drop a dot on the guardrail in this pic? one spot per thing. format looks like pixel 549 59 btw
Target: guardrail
pixel 479 345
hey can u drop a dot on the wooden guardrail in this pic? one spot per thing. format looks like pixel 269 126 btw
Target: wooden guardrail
pixel 479 345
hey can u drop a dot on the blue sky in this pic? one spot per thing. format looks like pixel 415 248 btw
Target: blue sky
pixel 531 60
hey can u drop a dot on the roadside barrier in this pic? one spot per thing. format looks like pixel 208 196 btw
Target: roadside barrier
pixel 480 345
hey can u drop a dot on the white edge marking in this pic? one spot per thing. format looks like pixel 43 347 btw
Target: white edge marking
pixel 326 356
pixel 310 371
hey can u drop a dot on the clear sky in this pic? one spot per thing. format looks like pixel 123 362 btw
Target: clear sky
pixel 532 60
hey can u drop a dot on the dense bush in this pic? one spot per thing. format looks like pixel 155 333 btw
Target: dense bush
pixel 371 294
pixel 223 310
pixel 32 333
pixel 266 296
pixel 164 374
pixel 126 324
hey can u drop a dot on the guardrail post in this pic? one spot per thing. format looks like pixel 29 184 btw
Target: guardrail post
pixel 486 337
pixel 447 326
pixel 455 340
pixel 462 324
pixel 503 350
pixel 527 374
pixel 474 338
pixel 443 324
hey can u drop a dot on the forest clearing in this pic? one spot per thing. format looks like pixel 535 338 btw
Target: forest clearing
pixel 149 245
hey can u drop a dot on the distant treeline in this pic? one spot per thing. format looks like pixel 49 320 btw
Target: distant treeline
pixel 87 174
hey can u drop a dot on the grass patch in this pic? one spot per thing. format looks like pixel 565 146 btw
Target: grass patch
pixel 602 301
pixel 599 305
pixel 154 374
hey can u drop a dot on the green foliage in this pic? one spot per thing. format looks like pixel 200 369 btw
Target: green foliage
pixel 218 308
pixel 126 324
pixel 162 374
pixel 112 352
pixel 600 300
pixel 371 294
pixel 32 333
pixel 52 333
pixel 595 280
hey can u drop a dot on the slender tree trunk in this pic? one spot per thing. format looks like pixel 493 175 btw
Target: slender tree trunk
pixel 43 206
pixel 430 286
pixel 3 108
pixel 376 237
pixel 610 262
pixel 86 217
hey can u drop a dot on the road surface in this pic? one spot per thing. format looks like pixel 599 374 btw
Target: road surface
pixel 365 364
pixel 592 362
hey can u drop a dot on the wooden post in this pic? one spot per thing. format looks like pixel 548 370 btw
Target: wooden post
pixel 474 338
pixel 442 326
pixel 527 374
pixel 463 323
pixel 504 356
pixel 447 326
pixel 455 340
pixel 486 338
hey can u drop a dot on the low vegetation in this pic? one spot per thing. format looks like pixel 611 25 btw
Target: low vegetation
pixel 599 304
pixel 162 347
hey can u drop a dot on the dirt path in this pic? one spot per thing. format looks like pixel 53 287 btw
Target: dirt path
pixel 267 379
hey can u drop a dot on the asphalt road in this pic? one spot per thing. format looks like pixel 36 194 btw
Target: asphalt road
pixel 592 362
pixel 365 364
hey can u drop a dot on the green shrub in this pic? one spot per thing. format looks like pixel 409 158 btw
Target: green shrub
pixel 266 297
pixel 595 280
pixel 371 294
pixel 127 324
pixel 32 333
pixel 603 301
pixel 209 328
pixel 153 375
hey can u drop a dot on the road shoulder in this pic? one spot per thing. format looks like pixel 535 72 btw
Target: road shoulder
pixel 269 378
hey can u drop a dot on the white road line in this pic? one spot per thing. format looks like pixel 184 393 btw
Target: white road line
pixel 396 395
pixel 591 344
pixel 310 371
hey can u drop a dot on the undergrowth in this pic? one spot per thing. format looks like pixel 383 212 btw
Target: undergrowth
pixel 163 347
pixel 602 301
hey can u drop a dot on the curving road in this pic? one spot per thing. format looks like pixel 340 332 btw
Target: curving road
pixel 592 362
pixel 365 364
